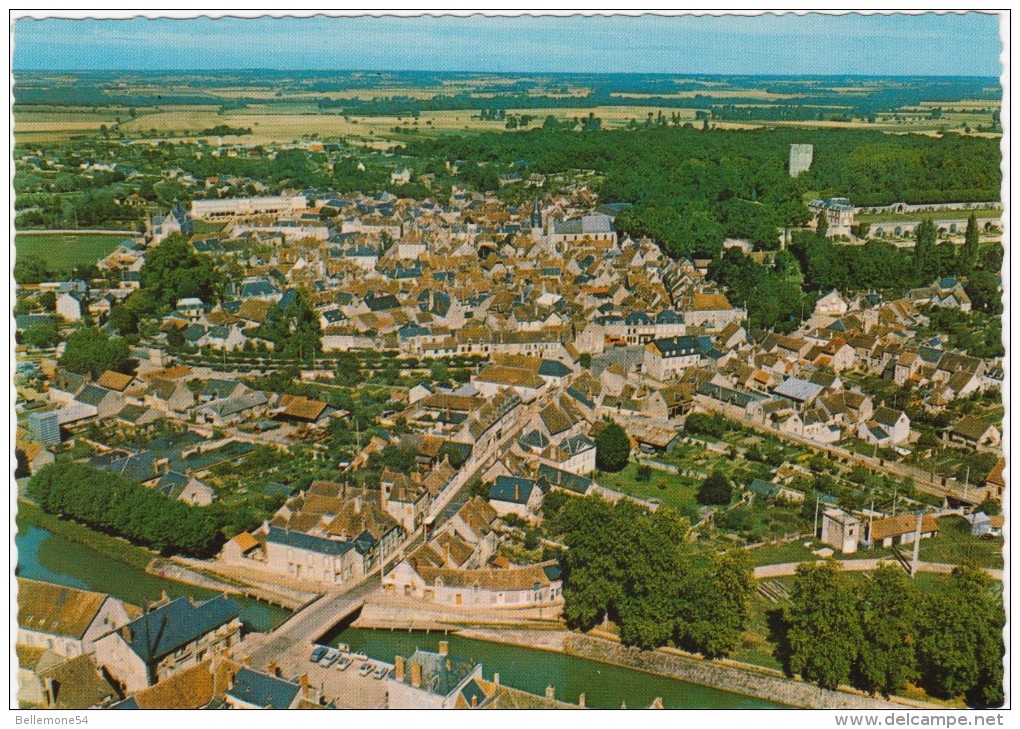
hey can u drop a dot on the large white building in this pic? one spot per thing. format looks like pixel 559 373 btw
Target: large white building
pixel 242 207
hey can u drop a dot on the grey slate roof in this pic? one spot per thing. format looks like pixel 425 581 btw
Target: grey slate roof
pixel 170 627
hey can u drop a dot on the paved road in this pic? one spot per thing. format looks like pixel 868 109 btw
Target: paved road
pixel 293 639
pixel 859 565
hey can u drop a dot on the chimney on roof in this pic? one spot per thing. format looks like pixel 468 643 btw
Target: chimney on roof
pixel 399 667
pixel 415 674
pixel 495 678
pixel 550 693
pixel 581 700
pixel 444 648
pixel 126 633
pixel 303 681
pixel 357 504
pixel 517 492
pixel 474 701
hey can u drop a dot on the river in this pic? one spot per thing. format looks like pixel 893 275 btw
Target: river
pixel 604 686
pixel 45 556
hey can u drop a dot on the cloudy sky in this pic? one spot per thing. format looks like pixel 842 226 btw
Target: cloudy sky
pixel 937 45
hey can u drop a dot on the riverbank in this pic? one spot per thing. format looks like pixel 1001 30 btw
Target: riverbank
pixel 179 571
pixel 742 679
pixel 150 562
pixel 383 612
pixel 30 514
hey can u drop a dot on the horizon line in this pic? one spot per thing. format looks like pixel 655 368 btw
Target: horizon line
pixel 227 69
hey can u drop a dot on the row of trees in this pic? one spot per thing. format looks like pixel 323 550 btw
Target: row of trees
pixel 115 505
pixel 634 568
pixel 880 265
pixel 881 633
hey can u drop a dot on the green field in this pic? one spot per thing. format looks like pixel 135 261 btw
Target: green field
pixel 64 251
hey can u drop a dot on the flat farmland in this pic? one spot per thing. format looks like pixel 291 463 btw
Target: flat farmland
pixel 66 250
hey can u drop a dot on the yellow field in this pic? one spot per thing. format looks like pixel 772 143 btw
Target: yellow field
pixel 718 93
pixel 963 104
pixel 284 127
pixel 280 124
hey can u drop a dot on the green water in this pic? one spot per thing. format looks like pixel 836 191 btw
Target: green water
pixel 604 686
pixel 45 556
pixel 49 557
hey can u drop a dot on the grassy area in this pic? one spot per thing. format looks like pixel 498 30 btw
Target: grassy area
pixel 671 490
pixel 756 645
pixel 954 544
pixel 64 251
pixel 31 515
pixel 206 227
pixel 784 553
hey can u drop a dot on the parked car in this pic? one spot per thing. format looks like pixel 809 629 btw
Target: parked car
pixel 380 673
pixel 344 663
pixel 366 669
pixel 330 657
pixel 317 653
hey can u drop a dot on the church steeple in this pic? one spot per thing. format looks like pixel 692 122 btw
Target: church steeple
pixel 536 215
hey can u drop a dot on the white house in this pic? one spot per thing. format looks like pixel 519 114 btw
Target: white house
pixel 887 427
pixel 530 586
pixel 513 495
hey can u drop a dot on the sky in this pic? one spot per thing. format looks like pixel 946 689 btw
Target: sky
pixel 816 44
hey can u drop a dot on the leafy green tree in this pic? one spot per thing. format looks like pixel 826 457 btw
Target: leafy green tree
pixel 719 605
pixel 439 371
pixel 612 448
pixel 924 247
pixel 124 319
pixel 294 328
pixel 401 460
pixel 990 507
pixel 48 301
pixel 823 632
pixel 31 269
pixel 822 225
pixel 93 351
pixel 971 244
pixel 715 490
pixel 595 576
pixel 985 292
pixel 173 271
pixel 889 618
pixel 961 646
pixel 42 335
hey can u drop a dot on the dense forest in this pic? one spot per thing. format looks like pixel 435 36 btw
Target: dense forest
pixel 691 187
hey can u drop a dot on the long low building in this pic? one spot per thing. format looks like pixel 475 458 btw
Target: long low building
pixel 242 207
pixel 531 586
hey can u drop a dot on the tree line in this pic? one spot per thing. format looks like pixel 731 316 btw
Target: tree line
pixel 879 633
pixel 118 506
